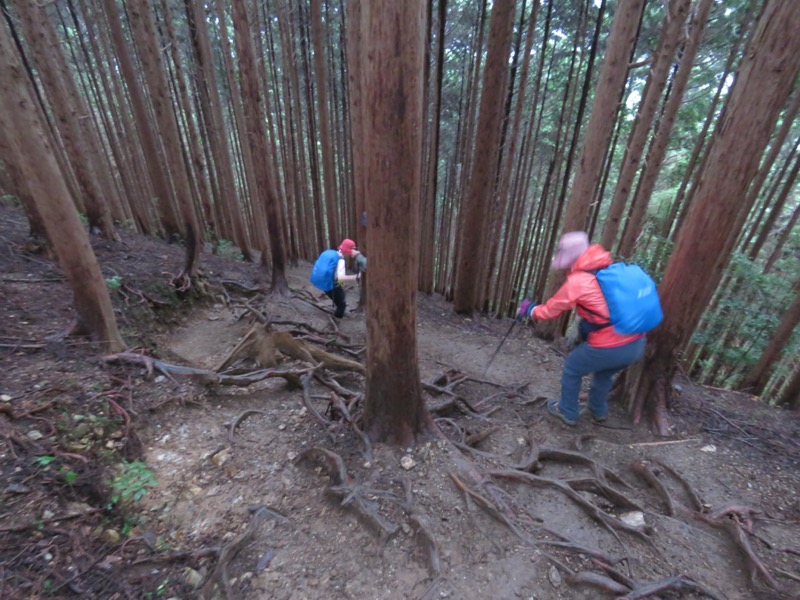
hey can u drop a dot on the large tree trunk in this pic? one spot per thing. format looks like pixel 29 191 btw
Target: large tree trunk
pixel 703 248
pixel 473 254
pixel 391 61
pixel 24 132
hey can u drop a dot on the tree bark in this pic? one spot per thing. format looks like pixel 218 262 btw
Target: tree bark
pixel 391 61
pixel 791 394
pixel 472 254
pixel 67 110
pixel 23 130
pixel 655 157
pixel 256 138
pixel 144 34
pixel 669 39
pixel 152 152
pixel 599 130
pixel 703 248
pixel 326 143
pixel 215 124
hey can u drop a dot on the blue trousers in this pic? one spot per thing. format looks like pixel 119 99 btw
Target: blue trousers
pixel 604 363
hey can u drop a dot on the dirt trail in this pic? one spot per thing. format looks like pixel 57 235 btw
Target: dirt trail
pixel 313 547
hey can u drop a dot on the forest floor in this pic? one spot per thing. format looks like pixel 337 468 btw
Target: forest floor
pixel 260 491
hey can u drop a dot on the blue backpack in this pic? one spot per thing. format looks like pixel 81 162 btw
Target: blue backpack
pixel 324 270
pixel 632 298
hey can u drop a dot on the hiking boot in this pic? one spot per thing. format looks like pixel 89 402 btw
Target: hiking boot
pixel 552 408
pixel 597 419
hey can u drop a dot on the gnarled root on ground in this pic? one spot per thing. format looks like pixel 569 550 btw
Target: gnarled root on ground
pixel 218 579
pixel 262 344
pixel 203 376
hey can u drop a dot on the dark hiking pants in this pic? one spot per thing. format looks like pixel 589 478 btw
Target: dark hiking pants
pixel 338 297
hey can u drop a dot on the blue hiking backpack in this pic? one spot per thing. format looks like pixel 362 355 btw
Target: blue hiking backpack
pixel 324 270
pixel 632 298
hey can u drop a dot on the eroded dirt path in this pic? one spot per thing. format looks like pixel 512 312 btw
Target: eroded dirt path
pixel 310 546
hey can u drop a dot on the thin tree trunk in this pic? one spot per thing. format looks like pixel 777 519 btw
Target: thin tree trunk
pixel 144 34
pixel 756 379
pixel 776 253
pixel 22 129
pixel 256 138
pixel 472 247
pixel 791 393
pixel 152 152
pixel 599 130
pixel 669 40
pixel 655 158
pixel 776 210
pixel 209 95
pixel 67 111
pixel 326 145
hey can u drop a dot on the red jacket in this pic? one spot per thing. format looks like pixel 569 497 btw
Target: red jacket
pixel 581 290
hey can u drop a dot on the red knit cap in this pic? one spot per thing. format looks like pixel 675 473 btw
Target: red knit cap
pixel 346 247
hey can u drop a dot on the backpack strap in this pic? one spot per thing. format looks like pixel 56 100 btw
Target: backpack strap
pixel 596 326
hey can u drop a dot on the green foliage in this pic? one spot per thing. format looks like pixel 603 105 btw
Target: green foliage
pixel 226 249
pixel 161 590
pixel 10 199
pixel 43 461
pixel 114 282
pixel 46 460
pixel 131 482
pixel 740 320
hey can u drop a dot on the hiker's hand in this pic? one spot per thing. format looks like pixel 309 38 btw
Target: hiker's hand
pixel 358 277
pixel 525 309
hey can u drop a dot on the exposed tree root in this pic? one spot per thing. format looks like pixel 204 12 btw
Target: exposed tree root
pixel 351 494
pixel 625 587
pixel 736 520
pixel 602 473
pixel 218 579
pixel 238 421
pixel 489 507
pixel 204 376
pixel 643 470
pixel 262 344
pixel 424 530
pixel 732 524
pixel 599 581
pixel 609 521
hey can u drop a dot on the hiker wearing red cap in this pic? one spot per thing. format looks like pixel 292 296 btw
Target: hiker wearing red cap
pixel 607 346
pixel 329 274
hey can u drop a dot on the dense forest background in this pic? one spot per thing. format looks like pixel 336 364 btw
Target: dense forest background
pixel 240 127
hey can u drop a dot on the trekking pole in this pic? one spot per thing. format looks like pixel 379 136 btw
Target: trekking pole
pixel 500 345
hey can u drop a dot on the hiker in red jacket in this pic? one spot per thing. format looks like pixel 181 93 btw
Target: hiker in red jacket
pixel 603 351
